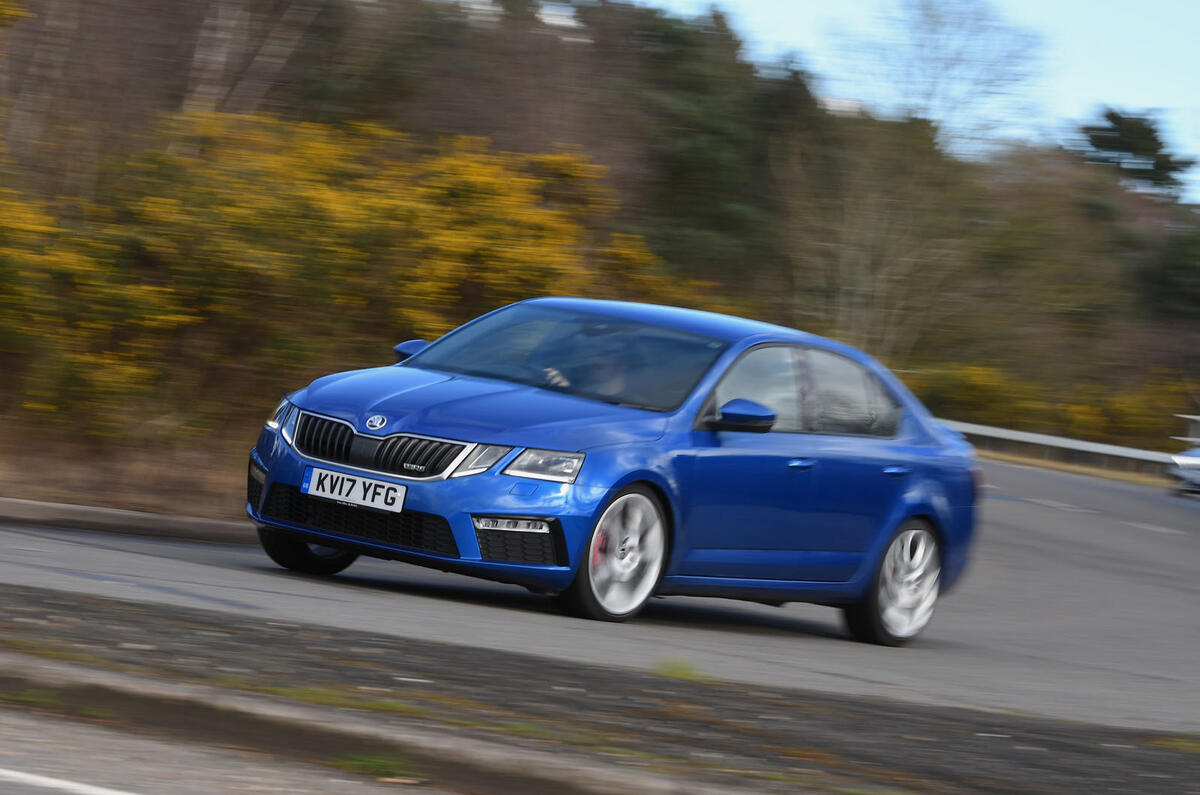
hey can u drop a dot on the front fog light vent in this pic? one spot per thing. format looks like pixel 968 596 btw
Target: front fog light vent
pixel 511 525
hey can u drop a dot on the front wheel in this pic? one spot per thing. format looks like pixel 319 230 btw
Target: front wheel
pixel 625 559
pixel 298 555
pixel 900 601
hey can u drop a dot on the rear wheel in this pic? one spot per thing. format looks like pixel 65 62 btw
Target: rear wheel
pixel 299 555
pixel 625 559
pixel 900 602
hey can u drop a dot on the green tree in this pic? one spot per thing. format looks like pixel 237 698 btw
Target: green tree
pixel 1172 283
pixel 1132 144
pixel 704 115
pixel 520 10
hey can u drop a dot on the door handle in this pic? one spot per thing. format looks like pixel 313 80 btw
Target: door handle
pixel 802 463
pixel 896 471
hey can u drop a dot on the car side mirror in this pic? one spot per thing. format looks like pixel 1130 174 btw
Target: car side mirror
pixel 406 349
pixel 740 414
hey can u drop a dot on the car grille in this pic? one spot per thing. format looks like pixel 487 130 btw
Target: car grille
pixel 506 546
pixel 425 532
pixel 322 438
pixel 412 455
pixel 407 456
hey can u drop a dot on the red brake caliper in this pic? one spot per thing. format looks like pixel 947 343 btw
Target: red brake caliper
pixel 601 550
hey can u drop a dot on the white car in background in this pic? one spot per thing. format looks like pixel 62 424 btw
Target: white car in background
pixel 1185 473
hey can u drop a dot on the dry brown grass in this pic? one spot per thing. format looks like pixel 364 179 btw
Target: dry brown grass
pixel 207 478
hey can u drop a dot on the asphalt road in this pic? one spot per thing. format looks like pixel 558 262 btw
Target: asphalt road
pixel 1083 603
pixel 41 754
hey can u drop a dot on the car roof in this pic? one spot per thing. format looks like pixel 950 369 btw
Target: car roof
pixel 710 324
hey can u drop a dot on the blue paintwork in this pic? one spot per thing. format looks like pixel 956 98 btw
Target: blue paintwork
pixel 409 348
pixel 772 516
pixel 740 414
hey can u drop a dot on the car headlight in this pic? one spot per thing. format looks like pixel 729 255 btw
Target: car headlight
pixel 283 419
pixel 546 465
pixel 483 457
pixel 279 414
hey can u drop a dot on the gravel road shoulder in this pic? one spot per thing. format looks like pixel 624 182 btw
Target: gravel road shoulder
pixel 671 726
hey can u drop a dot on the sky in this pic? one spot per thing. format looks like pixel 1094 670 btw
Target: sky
pixel 1141 56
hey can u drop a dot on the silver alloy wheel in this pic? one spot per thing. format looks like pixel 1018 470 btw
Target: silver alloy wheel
pixel 908 582
pixel 626 553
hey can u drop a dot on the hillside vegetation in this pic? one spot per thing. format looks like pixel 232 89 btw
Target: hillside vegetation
pixel 207 202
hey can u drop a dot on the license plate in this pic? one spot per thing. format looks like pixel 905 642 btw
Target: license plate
pixel 353 489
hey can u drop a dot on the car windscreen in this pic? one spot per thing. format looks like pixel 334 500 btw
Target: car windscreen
pixel 580 353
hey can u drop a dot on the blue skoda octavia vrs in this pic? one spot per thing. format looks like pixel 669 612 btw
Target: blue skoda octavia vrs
pixel 606 452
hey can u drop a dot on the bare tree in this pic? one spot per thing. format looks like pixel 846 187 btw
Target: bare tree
pixel 875 234
pixel 241 50
pixel 955 62
pixel 211 56
pixel 37 88
pixel 283 37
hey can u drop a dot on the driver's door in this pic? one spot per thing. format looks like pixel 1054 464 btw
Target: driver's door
pixel 748 496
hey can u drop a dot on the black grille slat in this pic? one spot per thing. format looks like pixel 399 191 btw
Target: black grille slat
pixel 422 532
pixel 302 428
pixel 396 452
pixel 331 440
pixel 399 446
pixel 403 451
pixel 322 433
pixel 444 459
pixel 420 453
pixel 382 452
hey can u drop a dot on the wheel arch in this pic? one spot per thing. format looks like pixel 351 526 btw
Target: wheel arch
pixel 661 489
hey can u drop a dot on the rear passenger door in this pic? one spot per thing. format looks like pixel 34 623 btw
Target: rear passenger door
pixel 863 468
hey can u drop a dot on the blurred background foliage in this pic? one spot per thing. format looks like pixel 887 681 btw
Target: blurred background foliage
pixel 207 202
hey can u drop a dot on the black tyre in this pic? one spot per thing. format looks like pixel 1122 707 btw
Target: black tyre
pixel 299 555
pixel 624 559
pixel 899 604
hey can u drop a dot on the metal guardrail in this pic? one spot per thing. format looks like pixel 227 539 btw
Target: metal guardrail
pixel 1060 448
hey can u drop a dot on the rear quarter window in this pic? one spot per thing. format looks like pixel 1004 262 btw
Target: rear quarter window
pixel 847 398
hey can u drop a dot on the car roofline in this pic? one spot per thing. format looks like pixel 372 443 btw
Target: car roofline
pixel 729 328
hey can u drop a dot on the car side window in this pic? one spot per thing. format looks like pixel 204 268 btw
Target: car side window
pixel 887 408
pixel 767 375
pixel 847 398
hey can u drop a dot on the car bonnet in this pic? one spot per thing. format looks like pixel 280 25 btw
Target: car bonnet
pixel 466 408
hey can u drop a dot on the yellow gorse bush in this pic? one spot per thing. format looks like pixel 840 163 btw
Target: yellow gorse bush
pixel 11 12
pixel 250 253
pixel 1142 417
pixel 245 255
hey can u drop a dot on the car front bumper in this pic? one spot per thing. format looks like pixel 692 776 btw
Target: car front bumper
pixel 1187 479
pixel 436 527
